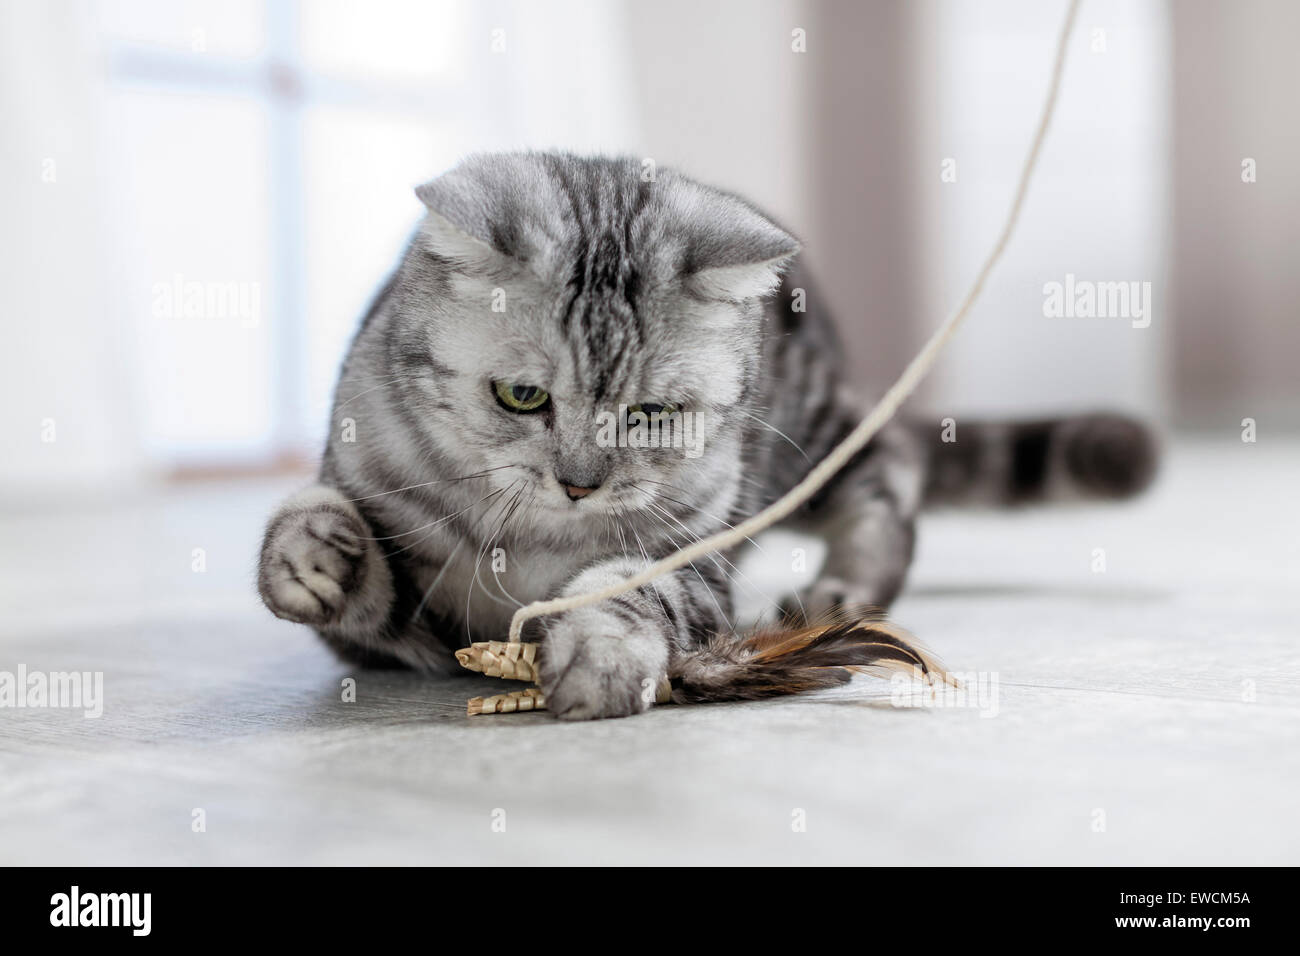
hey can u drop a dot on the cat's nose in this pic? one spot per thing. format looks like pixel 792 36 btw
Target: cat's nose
pixel 576 491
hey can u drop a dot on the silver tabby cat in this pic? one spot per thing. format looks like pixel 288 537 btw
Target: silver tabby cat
pixel 470 467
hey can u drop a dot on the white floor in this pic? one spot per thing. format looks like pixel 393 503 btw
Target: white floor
pixel 1148 713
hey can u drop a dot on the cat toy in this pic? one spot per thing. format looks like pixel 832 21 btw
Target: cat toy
pixel 769 661
pixel 515 660
pixel 781 660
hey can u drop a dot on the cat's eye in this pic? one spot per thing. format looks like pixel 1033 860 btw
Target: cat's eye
pixel 520 398
pixel 652 410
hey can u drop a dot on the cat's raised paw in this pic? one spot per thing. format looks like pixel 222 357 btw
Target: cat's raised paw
pixel 313 558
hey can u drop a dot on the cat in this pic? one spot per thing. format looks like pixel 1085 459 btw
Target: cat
pixel 543 296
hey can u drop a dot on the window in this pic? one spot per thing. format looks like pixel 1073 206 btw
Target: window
pixel 262 160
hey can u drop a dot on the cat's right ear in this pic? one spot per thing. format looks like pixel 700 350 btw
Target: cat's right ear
pixel 441 237
pixel 460 224
pixel 450 223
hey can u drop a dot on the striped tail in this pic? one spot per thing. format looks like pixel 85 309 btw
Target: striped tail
pixel 1019 463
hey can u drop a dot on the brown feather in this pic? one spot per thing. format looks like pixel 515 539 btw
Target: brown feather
pixel 797 656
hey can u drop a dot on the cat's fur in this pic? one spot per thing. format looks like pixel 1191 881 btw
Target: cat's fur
pixel 580 276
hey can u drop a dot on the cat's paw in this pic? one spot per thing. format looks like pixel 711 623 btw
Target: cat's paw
pixel 595 663
pixel 313 560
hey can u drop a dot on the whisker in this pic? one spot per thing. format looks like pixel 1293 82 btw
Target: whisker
pixel 478 560
pixel 346 401
pixel 509 512
pixel 775 604
pixel 437 578
pixel 646 557
pixel 470 534
pixel 691 506
pixel 770 427
pixel 436 481
pixel 691 565
pixel 692 537
pixel 495 576
pixel 432 524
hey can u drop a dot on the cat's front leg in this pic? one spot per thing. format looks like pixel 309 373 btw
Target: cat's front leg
pixel 320 565
pixel 867 514
pixel 607 659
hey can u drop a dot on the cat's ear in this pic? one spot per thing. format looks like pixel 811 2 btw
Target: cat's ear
pixel 738 283
pixel 446 240
pixel 734 252
pixel 458 223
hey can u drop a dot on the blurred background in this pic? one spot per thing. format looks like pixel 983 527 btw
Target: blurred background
pixel 200 196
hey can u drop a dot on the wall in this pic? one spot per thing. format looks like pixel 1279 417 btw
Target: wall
pixel 1236 245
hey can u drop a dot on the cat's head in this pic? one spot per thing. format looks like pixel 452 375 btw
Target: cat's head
pixel 568 306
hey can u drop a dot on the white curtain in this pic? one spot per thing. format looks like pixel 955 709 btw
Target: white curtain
pixel 66 420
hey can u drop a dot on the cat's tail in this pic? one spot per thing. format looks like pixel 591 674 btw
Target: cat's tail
pixel 794 657
pixel 1031 462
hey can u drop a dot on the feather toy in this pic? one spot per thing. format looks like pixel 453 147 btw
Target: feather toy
pixel 792 657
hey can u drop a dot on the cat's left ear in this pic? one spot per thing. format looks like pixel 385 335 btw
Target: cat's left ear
pixel 734 252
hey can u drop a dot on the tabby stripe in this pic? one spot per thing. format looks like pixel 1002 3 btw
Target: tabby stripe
pixel 1029 450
